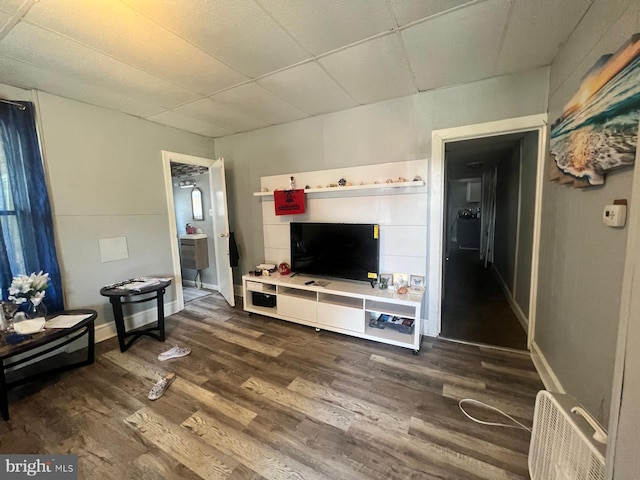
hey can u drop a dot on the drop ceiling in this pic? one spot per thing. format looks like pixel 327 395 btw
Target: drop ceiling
pixel 219 67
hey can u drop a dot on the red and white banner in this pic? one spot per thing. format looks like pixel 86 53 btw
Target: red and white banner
pixel 289 202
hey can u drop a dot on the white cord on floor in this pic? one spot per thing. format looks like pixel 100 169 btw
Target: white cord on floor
pixel 471 400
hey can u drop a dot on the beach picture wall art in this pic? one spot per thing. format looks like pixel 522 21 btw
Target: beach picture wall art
pixel 598 128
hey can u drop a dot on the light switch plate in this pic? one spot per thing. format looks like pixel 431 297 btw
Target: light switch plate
pixel 615 215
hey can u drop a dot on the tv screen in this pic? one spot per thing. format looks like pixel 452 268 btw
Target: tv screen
pixel 343 250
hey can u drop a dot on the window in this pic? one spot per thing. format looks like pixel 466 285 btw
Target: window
pixel 8 218
pixel 26 226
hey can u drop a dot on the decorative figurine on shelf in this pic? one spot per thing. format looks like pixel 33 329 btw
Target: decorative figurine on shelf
pixel 342 182
pixel 307 187
pixel 284 268
pixel 265 189
pixel 417 178
pixel 292 184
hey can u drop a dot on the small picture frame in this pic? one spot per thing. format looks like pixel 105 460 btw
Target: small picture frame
pixel 384 280
pixel 400 279
pixel 416 283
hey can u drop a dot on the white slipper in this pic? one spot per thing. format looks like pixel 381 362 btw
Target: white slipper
pixel 174 352
pixel 161 386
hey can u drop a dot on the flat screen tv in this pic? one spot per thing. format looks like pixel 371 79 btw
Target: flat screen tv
pixel 342 250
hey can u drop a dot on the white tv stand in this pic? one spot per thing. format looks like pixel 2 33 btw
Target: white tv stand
pixel 340 306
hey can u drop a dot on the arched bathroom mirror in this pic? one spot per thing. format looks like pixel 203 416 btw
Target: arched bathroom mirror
pixel 196 204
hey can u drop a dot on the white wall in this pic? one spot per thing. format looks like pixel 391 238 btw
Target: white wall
pixel 624 459
pixel 528 166
pixel 106 180
pixel 391 131
pixel 581 264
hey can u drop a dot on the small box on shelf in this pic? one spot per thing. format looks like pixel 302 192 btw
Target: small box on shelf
pixel 400 324
pixel 263 299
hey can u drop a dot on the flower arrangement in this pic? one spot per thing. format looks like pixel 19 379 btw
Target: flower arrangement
pixel 30 288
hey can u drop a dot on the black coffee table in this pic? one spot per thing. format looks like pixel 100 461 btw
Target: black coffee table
pixel 41 339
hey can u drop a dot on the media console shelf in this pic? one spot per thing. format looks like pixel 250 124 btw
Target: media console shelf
pixel 351 308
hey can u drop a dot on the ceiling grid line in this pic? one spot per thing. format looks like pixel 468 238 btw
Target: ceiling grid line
pixel 494 69
pixel 249 64
pixel 16 17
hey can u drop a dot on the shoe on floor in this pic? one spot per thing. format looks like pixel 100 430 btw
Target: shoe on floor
pixel 161 386
pixel 174 352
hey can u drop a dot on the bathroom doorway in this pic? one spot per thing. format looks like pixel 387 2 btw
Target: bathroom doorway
pixel 199 228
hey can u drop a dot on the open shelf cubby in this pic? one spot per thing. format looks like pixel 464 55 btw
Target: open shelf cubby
pixel 337 305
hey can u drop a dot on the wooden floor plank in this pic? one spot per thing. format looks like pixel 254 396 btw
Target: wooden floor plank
pixel 331 415
pixel 383 418
pixel 471 446
pixel 180 444
pixel 241 340
pixel 430 372
pixel 260 398
pixel 260 458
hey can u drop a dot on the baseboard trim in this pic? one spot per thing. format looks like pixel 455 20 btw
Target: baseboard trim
pixel 191 283
pixel 517 311
pixel 106 331
pixel 547 375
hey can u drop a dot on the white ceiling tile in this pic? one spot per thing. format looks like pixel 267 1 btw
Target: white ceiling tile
pixel 324 26
pixel 188 124
pixel 55 53
pixel 11 6
pixel 4 18
pixel 237 32
pixel 294 85
pixel 212 112
pixel 27 76
pixel 197 58
pixel 407 11
pixel 372 71
pixel 536 30
pixel 439 58
pixel 119 31
pixel 254 101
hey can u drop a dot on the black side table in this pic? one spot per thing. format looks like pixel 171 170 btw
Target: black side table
pixel 42 339
pixel 121 296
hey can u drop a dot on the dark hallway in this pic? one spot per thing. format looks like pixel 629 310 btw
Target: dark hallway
pixel 475 308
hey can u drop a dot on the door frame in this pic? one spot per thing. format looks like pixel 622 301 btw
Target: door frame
pixel 167 157
pixel 436 220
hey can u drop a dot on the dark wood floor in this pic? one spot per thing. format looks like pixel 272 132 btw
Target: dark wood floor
pixel 261 398
pixel 475 308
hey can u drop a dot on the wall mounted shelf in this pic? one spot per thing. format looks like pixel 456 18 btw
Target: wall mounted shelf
pixel 352 188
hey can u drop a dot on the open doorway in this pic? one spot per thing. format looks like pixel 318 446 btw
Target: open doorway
pixel 198 226
pixel 437 222
pixel 489 206
pixel 191 199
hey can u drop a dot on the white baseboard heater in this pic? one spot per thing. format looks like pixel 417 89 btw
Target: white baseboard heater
pixel 567 443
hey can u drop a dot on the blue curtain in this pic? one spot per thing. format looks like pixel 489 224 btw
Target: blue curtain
pixel 26 232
